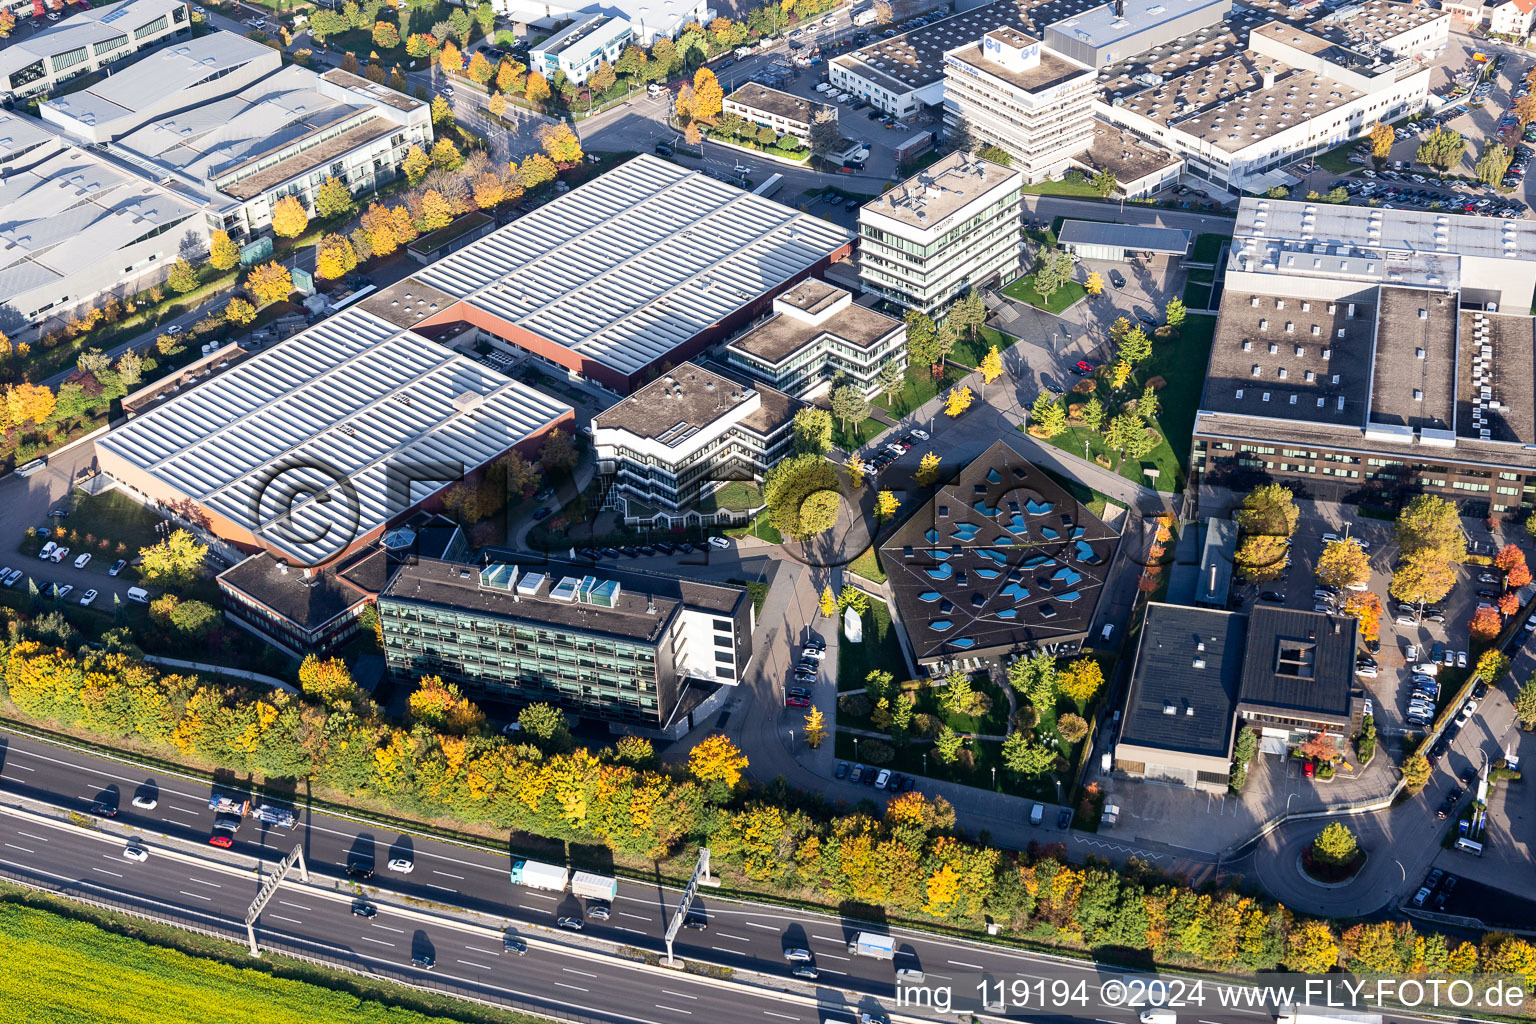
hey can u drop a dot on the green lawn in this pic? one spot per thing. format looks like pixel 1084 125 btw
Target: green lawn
pixel 1206 248
pixel 868 565
pixel 856 436
pixel 1197 295
pixel 1062 188
pixel 919 388
pixel 969 352
pixel 879 649
pixel 1336 160
pixel 1023 290
pixel 759 528
pixel 738 496
pixel 123 523
pixel 1181 363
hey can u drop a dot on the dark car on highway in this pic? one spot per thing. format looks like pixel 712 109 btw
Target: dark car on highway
pixel 362 909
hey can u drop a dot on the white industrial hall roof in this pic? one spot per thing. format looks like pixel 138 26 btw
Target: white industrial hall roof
pixel 634 263
pixel 336 424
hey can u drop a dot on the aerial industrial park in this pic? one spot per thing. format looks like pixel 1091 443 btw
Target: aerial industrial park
pixel 837 512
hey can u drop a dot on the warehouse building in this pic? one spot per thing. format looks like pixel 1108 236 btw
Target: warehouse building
pixel 1121 30
pixel 645 652
pixel 634 272
pixel 310 449
pixel 87 41
pixel 817 334
pixel 942 232
pixel 1364 355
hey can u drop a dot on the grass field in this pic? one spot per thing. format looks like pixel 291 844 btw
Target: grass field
pixel 879 649
pixel 1206 248
pixel 1062 188
pixel 856 436
pixel 1023 289
pixel 919 387
pixel 1197 295
pixel 63 971
pixel 970 353
pixel 868 565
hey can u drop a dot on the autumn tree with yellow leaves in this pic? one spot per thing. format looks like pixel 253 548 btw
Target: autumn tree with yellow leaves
pixel 289 218
pixel 715 760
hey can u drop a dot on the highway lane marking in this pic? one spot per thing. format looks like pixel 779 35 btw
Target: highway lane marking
pixel 280 917
pixel 637 917
pixel 106 872
pixel 488 952
pixel 834 956
pixel 783 1016
pixel 542 896
pixel 527 907
pixel 962 963
pixel 23 849
pixel 23 767
pixel 828 970
pixel 181 810
pixel 674 1009
pixel 828 938
pixel 381 942
pixel 471 963
pixel 769 927
pixel 735 938
pixel 200 881
pixel 447 874
pixel 680 995
pixel 29 835
pixel 572 970
pixel 576 988
pixel 433 885
pixel 195 895
pixel 295 906
pixel 400 931
pixel 722 949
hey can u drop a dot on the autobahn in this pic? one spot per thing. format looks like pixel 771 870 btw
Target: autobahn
pixel 562 973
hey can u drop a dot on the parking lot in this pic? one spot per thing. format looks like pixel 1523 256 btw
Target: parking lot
pixel 1403 631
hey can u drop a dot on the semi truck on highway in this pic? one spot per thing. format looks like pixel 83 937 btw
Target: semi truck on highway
pixel 871 944
pixel 276 815
pixel 539 876
pixel 594 887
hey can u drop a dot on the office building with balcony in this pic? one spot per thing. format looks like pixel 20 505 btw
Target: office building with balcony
pixel 645 652
pixel 816 333
pixel 579 48
pixel 691 447
pixel 942 232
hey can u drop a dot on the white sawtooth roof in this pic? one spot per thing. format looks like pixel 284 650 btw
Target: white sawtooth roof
pixel 629 266
pixel 332 419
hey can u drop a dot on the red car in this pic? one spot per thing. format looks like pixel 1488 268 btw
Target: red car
pixel 1307 768
pixel 796 702
pixel 1083 367
pixel 220 840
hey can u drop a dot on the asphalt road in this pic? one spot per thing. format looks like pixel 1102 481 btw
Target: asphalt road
pixel 744 936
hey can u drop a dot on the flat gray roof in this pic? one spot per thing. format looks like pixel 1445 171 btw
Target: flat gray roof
pixel 1497 353
pixel 1413 382
pixel 1129 236
pixel 82 28
pixel 1175 704
pixel 636 262
pixel 943 188
pixel 1103 25
pixel 340 412
pixel 1274 224
pixel 676 406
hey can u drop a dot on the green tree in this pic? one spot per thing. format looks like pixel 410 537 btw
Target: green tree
pixel 1054 420
pixel 946 746
pixel 194 619
pixel 921 349
pixel 1269 509
pixel 1525 704
pixel 545 725
pixel 848 403
pixel 1146 405
pixel 173 561
pixel 1442 149
pixel 812 431
pixel 333 199
pixel 1104 183
pixel 182 277
pixel 1431 523
pixel 901 712
pixel 891 380
pixel 1025 757
pixel 1093 413
pixel 1052 270
pixel 1416 772
pixel 1127 434
pixel 957 695
pixel 1135 346
pixel 1174 313
pixel 1036 678
pixel 1335 844
pixel 1490 167
pixel 996 154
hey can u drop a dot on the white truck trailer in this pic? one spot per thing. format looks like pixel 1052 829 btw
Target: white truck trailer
pixel 539 876
pixel 594 887
pixel 872 944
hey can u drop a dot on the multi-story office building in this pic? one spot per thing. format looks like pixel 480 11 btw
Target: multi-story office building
pixel 648 20
pixel 581 47
pixel 1031 102
pixel 642 651
pixel 942 232
pixel 815 334
pixel 690 447
pixel 1366 355
pixel 86 41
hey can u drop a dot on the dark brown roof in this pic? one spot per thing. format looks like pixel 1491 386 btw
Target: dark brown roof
pixel 1415 354
pixel 676 405
pixel 1510 374
pixel 775 411
pixel 782 335
pixel 309 159
pixel 308 601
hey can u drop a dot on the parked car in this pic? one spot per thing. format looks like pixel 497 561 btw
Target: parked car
pixel 87 597
pixel 83 561
pixel 842 770
pixel 882 777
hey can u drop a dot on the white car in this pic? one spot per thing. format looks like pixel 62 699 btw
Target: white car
pixel 47 551
pixel 87 597
pixel 921 435
pixel 137 854
pixel 83 561
pixel 15 575
pixel 402 865
pixel 1411 653
pixel 59 554
pixel 814 653
pixel 1329 538
pixel 117 567
pixel 145 803
pixel 62 592
pixel 1461 659
pixel 719 542
pixel 742 169
pixel 882 778
pixel 1366 671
